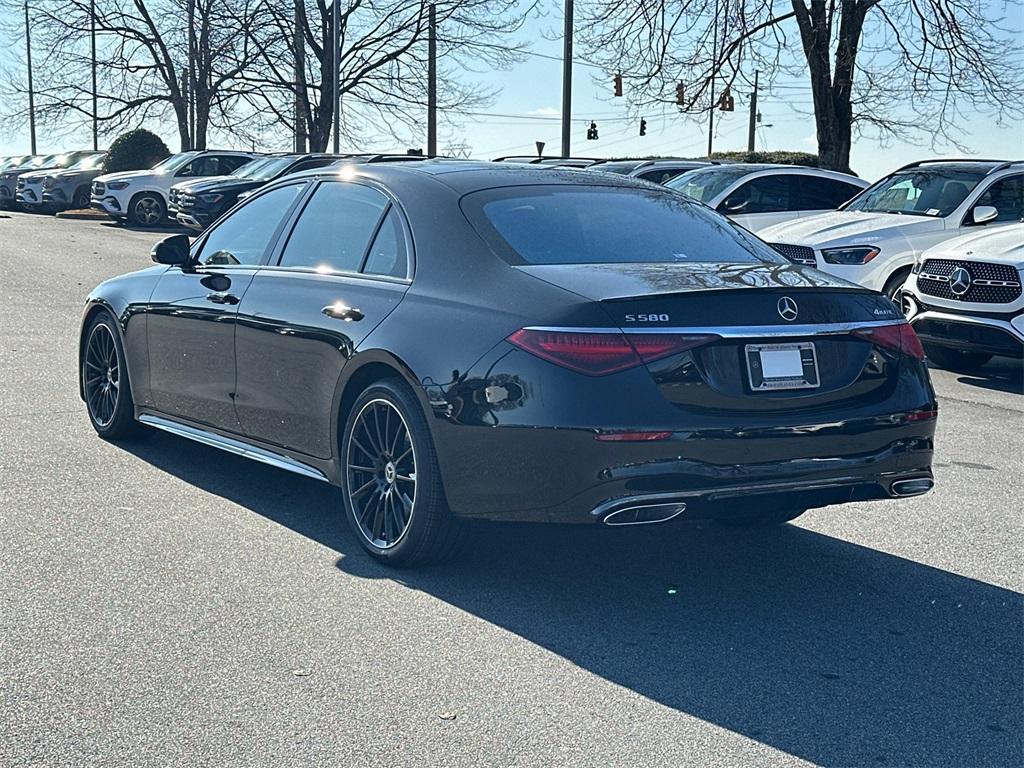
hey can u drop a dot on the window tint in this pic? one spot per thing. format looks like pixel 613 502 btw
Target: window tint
pixel 705 184
pixel 335 228
pixel 317 162
pixel 816 193
pixel 1007 195
pixel 226 164
pixel 765 194
pixel 602 225
pixel 387 254
pixel 243 236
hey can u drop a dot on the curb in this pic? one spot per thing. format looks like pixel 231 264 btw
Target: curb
pixel 82 213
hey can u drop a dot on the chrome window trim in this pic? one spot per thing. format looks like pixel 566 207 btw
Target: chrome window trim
pixel 737 331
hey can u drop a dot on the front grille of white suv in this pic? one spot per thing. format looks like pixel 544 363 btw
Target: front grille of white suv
pixel 989 283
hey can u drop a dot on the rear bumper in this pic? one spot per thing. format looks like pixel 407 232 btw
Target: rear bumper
pixel 566 475
pixel 971 333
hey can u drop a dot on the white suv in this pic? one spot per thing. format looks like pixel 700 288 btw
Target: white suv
pixel 964 298
pixel 141 196
pixel 876 237
pixel 756 195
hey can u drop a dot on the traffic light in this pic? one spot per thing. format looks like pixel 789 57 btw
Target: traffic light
pixel 727 103
pixel 643 127
pixel 618 85
pixel 680 94
pixel 592 131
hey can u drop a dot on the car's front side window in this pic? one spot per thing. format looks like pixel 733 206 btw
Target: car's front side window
pixel 1007 196
pixel 335 227
pixel 242 238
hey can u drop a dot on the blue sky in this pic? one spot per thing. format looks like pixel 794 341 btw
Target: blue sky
pixel 528 106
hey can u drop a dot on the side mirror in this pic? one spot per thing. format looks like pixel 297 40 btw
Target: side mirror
pixel 983 214
pixel 734 205
pixel 173 250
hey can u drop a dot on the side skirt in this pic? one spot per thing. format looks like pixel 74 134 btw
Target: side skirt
pixel 232 445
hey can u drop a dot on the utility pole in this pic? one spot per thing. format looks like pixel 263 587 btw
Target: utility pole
pixel 753 115
pixel 714 71
pixel 299 70
pixel 190 110
pixel 432 82
pixel 336 74
pixel 567 80
pixel 92 41
pixel 31 95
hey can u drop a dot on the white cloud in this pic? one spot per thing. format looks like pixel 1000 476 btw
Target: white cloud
pixel 545 112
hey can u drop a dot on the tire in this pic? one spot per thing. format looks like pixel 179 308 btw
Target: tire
pixel 108 395
pixel 954 359
pixel 147 209
pixel 81 198
pixel 895 282
pixel 763 520
pixel 394 525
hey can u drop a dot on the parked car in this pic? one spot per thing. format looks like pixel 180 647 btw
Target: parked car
pixel 140 197
pixel 760 195
pixel 10 178
pixel 69 188
pixel 455 339
pixel 200 202
pixel 964 298
pixel 875 239
pixel 659 171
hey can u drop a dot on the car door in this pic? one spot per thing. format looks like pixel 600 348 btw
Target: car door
pixel 342 269
pixel 1006 195
pixel 191 321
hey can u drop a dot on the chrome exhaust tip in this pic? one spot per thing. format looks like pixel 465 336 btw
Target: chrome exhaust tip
pixel 914 487
pixel 645 514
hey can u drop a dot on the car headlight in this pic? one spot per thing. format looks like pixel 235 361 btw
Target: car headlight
pixel 213 197
pixel 860 254
pixel 117 185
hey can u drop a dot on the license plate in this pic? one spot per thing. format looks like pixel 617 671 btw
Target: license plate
pixel 782 366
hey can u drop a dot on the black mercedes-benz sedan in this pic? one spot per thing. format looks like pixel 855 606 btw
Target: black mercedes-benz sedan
pixel 447 340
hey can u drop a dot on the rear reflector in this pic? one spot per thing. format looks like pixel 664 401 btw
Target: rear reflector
pixel 899 338
pixel 631 437
pixel 598 354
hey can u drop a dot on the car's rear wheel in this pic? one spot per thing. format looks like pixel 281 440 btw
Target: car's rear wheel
pixel 146 209
pixel 108 396
pixel 954 359
pixel 394 499
pixel 760 519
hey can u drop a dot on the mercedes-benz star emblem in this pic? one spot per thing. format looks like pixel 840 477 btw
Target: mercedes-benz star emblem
pixel 960 281
pixel 787 308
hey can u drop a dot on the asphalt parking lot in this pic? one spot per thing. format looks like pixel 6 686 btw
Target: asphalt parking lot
pixel 167 604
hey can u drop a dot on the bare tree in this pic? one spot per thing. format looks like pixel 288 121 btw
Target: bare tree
pixel 886 67
pixel 382 62
pixel 159 60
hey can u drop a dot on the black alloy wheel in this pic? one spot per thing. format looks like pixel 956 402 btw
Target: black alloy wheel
pixel 392 488
pixel 147 209
pixel 105 382
pixel 81 198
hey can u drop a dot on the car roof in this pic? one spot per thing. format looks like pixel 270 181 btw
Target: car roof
pixel 464 176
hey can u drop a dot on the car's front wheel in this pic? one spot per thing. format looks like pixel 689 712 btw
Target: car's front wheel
pixel 146 209
pixel 954 359
pixel 81 198
pixel 394 499
pixel 108 397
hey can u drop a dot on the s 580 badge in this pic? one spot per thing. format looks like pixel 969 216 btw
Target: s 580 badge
pixel 647 318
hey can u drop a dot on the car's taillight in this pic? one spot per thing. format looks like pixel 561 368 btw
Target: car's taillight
pixel 899 337
pixel 601 353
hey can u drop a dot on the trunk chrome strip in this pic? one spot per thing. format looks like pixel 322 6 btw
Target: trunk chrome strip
pixel 738 331
pixel 236 447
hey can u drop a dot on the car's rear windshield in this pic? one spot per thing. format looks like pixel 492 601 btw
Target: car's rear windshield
pixel 563 224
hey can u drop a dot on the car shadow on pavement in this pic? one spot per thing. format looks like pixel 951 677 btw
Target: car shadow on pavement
pixel 167 228
pixel 834 652
pixel 1004 375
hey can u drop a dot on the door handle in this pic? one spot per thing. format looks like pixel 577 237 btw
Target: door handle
pixel 341 312
pixel 223 298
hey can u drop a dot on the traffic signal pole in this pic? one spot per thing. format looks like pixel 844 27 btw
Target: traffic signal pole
pixel 753 115
pixel 567 80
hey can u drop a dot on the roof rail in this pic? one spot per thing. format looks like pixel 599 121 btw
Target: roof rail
pixel 538 158
pixel 919 163
pixel 1004 165
pixel 397 158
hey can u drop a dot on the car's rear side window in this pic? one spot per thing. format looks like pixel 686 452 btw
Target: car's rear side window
pixel 576 224
pixel 335 228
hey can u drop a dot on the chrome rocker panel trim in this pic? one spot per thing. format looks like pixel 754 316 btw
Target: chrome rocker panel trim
pixel 236 447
